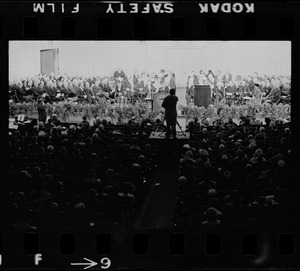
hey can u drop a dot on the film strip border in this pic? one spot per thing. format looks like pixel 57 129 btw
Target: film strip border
pixel 174 249
pixel 152 20
pixel 186 20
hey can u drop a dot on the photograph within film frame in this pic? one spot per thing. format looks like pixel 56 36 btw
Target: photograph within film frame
pixel 111 192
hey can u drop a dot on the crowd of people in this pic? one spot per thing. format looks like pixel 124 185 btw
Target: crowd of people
pixel 78 175
pixel 235 176
pixel 122 88
pixel 85 174
pixel 91 174
pixel 117 88
pixel 238 89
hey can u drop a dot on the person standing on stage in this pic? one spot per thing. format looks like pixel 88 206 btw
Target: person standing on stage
pixel 169 104
pixel 137 86
pixel 275 93
pixel 257 94
pixel 218 92
pixel 41 107
pixel 172 81
pixel 210 77
pixel 82 97
pixel 119 76
pixel 89 93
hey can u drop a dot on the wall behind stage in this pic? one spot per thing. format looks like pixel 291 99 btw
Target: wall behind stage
pixel 75 58
pixel 103 57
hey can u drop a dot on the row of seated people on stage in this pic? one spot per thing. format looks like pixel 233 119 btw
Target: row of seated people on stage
pixel 237 90
pixel 116 88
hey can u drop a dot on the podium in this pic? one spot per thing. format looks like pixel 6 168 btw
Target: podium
pixel 202 95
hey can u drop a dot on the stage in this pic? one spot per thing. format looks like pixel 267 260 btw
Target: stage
pixel 182 122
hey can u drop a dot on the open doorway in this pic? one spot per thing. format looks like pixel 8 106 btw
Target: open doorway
pixel 49 61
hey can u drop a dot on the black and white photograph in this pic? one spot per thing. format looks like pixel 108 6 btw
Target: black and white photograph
pixel 114 136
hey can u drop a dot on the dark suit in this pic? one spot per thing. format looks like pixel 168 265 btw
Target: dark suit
pixel 107 89
pixel 139 90
pixel 89 93
pixel 96 90
pixel 118 83
pixel 36 92
pixel 217 93
pixel 51 92
pixel 80 94
pixel 42 116
pixel 169 104
pixel 125 84
pixel 67 92
pixel 19 92
pixel 73 92
pixel 274 95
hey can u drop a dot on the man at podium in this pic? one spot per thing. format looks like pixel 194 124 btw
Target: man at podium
pixel 169 104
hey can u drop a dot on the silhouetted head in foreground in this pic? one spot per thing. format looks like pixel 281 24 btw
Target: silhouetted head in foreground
pixel 172 91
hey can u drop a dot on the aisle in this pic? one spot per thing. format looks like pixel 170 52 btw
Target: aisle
pixel 162 201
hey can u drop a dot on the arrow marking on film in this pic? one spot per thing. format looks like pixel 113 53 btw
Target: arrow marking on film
pixel 89 264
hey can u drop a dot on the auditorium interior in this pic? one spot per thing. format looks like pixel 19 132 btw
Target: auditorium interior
pixel 87 146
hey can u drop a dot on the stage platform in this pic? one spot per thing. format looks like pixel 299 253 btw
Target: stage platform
pixel 182 122
pixel 162 135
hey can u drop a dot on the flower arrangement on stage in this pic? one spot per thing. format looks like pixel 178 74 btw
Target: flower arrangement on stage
pixel 22 108
pixel 221 112
pixel 192 111
pixel 252 110
pixel 65 110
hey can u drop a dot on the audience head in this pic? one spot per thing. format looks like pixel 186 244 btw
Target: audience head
pixel 212 192
pixel 182 180
pixel 141 159
pixel 262 129
pixel 212 213
pixel 259 153
pixel 53 207
pixel 50 149
pixel 189 154
pixel 186 146
pixel 227 174
pixel 281 163
pixel 148 147
pixel 224 157
pixel 80 207
pixel 203 152
pixel 237 144
pixel 221 147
